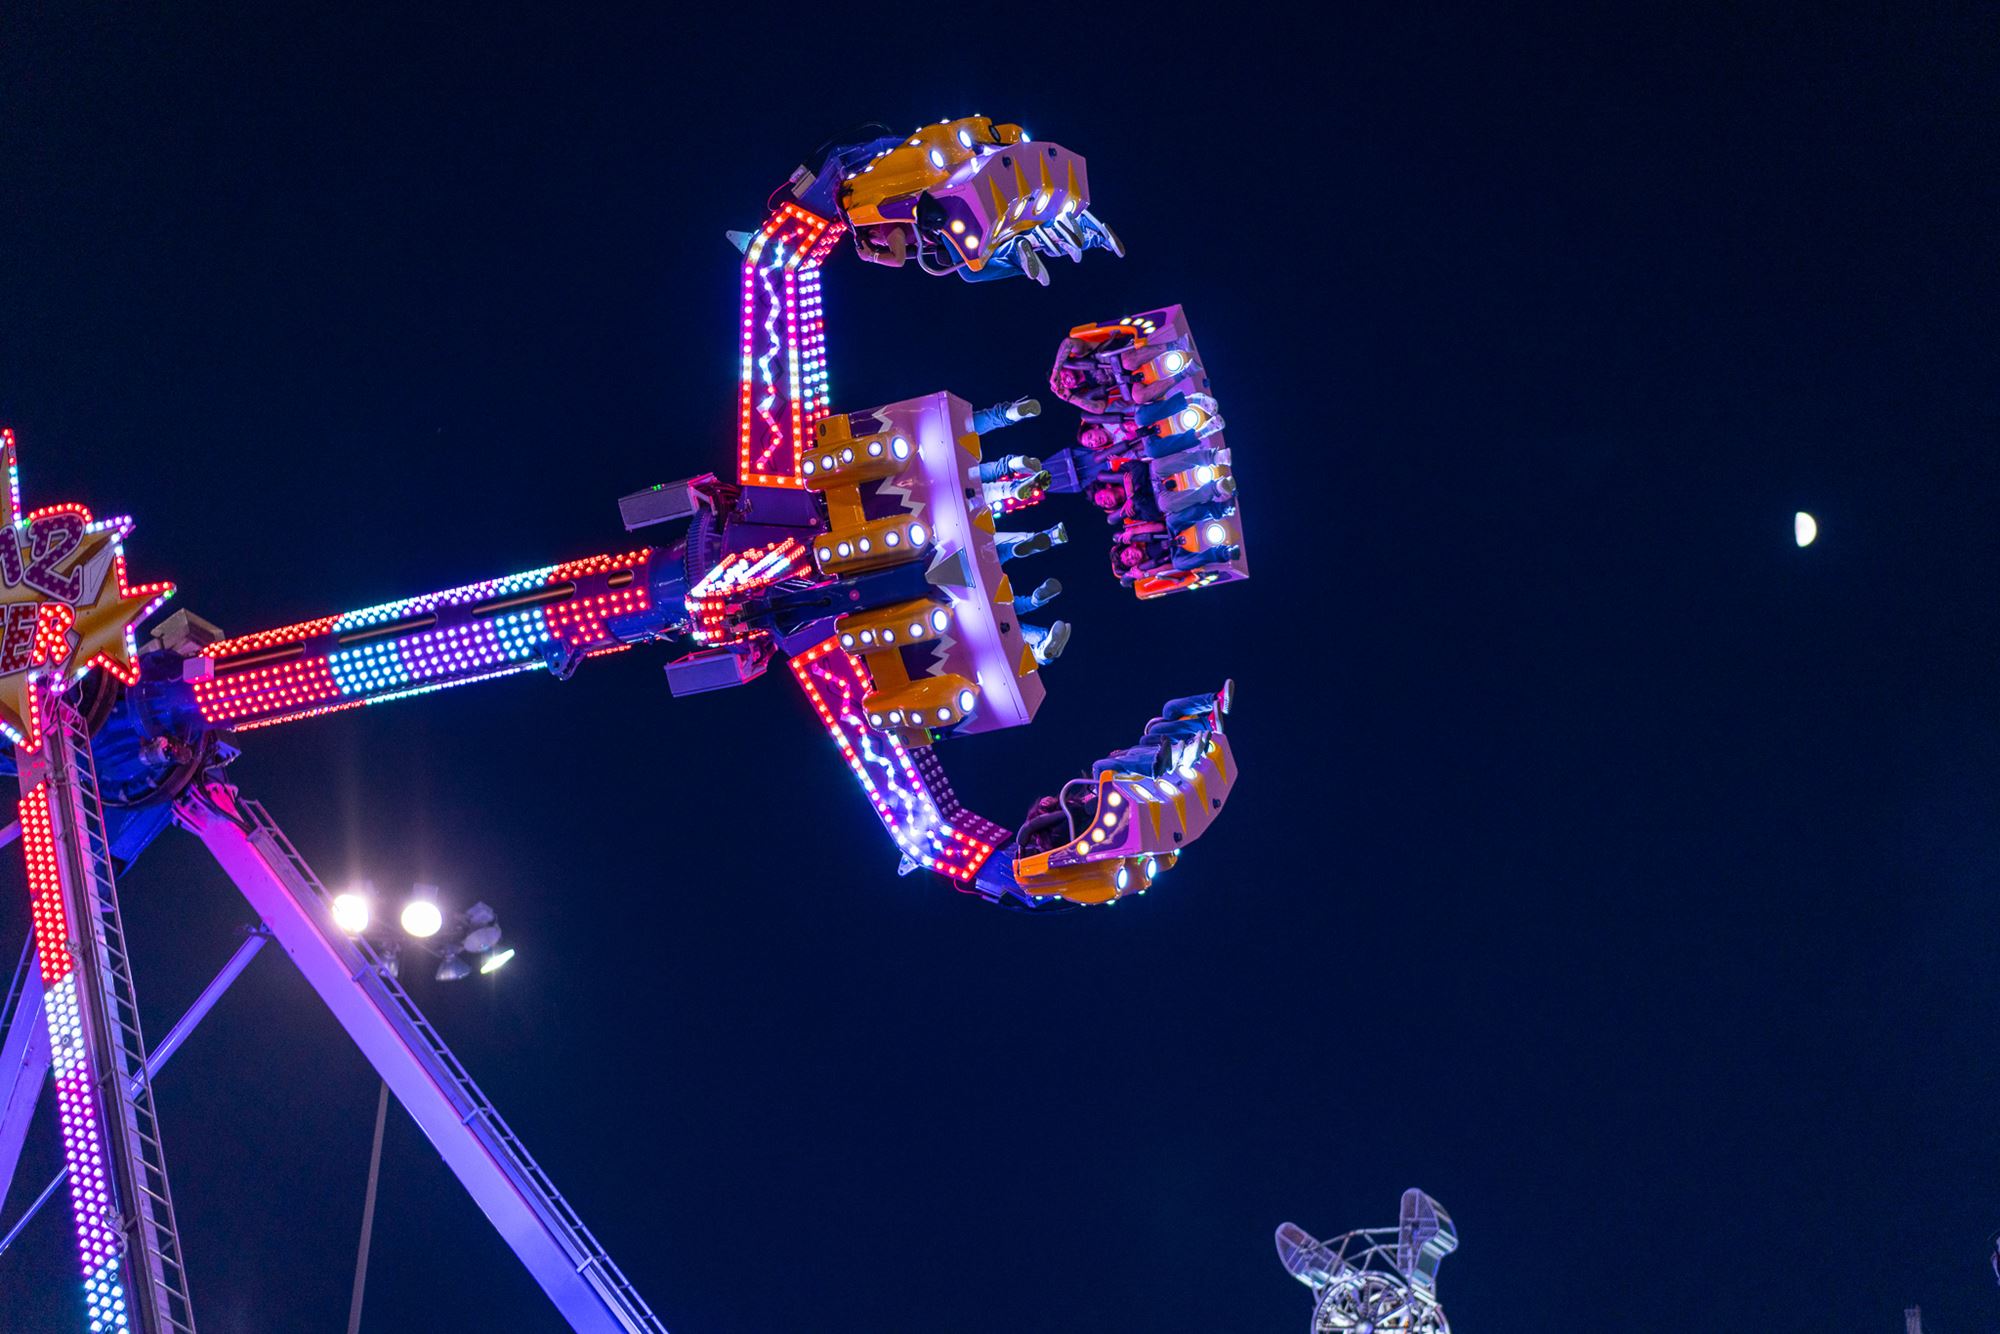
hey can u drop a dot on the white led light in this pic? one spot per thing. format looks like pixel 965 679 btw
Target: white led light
pixel 937 157
pixel 350 912
pixel 940 619
pixel 966 699
pixel 1216 534
pixel 917 534
pixel 422 919
pixel 892 537
pixel 900 447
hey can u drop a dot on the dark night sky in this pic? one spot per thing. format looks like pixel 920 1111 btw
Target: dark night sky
pixel 1604 864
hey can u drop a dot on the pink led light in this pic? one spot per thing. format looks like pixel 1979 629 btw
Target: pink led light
pixel 913 801
pixel 719 594
pixel 782 319
pixel 298 715
pixel 91 1199
pixel 459 643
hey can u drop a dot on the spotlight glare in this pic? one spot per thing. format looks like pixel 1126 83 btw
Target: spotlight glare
pixel 493 963
pixel 422 919
pixel 350 912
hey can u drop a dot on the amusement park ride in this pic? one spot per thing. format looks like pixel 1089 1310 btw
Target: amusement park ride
pixel 867 548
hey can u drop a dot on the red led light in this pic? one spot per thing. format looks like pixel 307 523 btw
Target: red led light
pixel 451 641
pixel 906 787
pixel 781 278
pixel 589 565
pixel 719 595
pixel 285 634
pixel 38 851
pixel 282 687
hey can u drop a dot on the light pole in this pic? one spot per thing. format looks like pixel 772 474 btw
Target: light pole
pixel 456 940
pixel 368 1213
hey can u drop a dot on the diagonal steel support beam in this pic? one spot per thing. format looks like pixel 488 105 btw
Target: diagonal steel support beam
pixel 24 1061
pixel 486 1156
pixel 156 1058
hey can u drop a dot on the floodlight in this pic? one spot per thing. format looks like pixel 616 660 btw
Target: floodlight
pixel 421 916
pixel 482 929
pixel 481 939
pixel 350 912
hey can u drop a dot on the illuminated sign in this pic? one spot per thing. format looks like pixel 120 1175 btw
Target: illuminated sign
pixel 65 604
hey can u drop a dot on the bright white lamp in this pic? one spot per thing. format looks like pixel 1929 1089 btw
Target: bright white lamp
pixel 422 918
pixel 350 912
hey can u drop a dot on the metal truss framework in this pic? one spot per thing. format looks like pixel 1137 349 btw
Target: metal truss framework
pixel 139 1264
pixel 1375 1280
pixel 435 1088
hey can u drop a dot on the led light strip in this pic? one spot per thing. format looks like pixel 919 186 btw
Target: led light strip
pixel 773 345
pixel 55 619
pixel 93 1200
pixel 717 594
pixel 920 812
pixel 324 676
pixel 782 317
pixel 450 597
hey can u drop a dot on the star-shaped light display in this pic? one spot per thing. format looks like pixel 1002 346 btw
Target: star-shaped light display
pixel 65 604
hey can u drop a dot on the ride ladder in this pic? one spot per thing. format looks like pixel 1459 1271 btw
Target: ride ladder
pixel 124 1093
